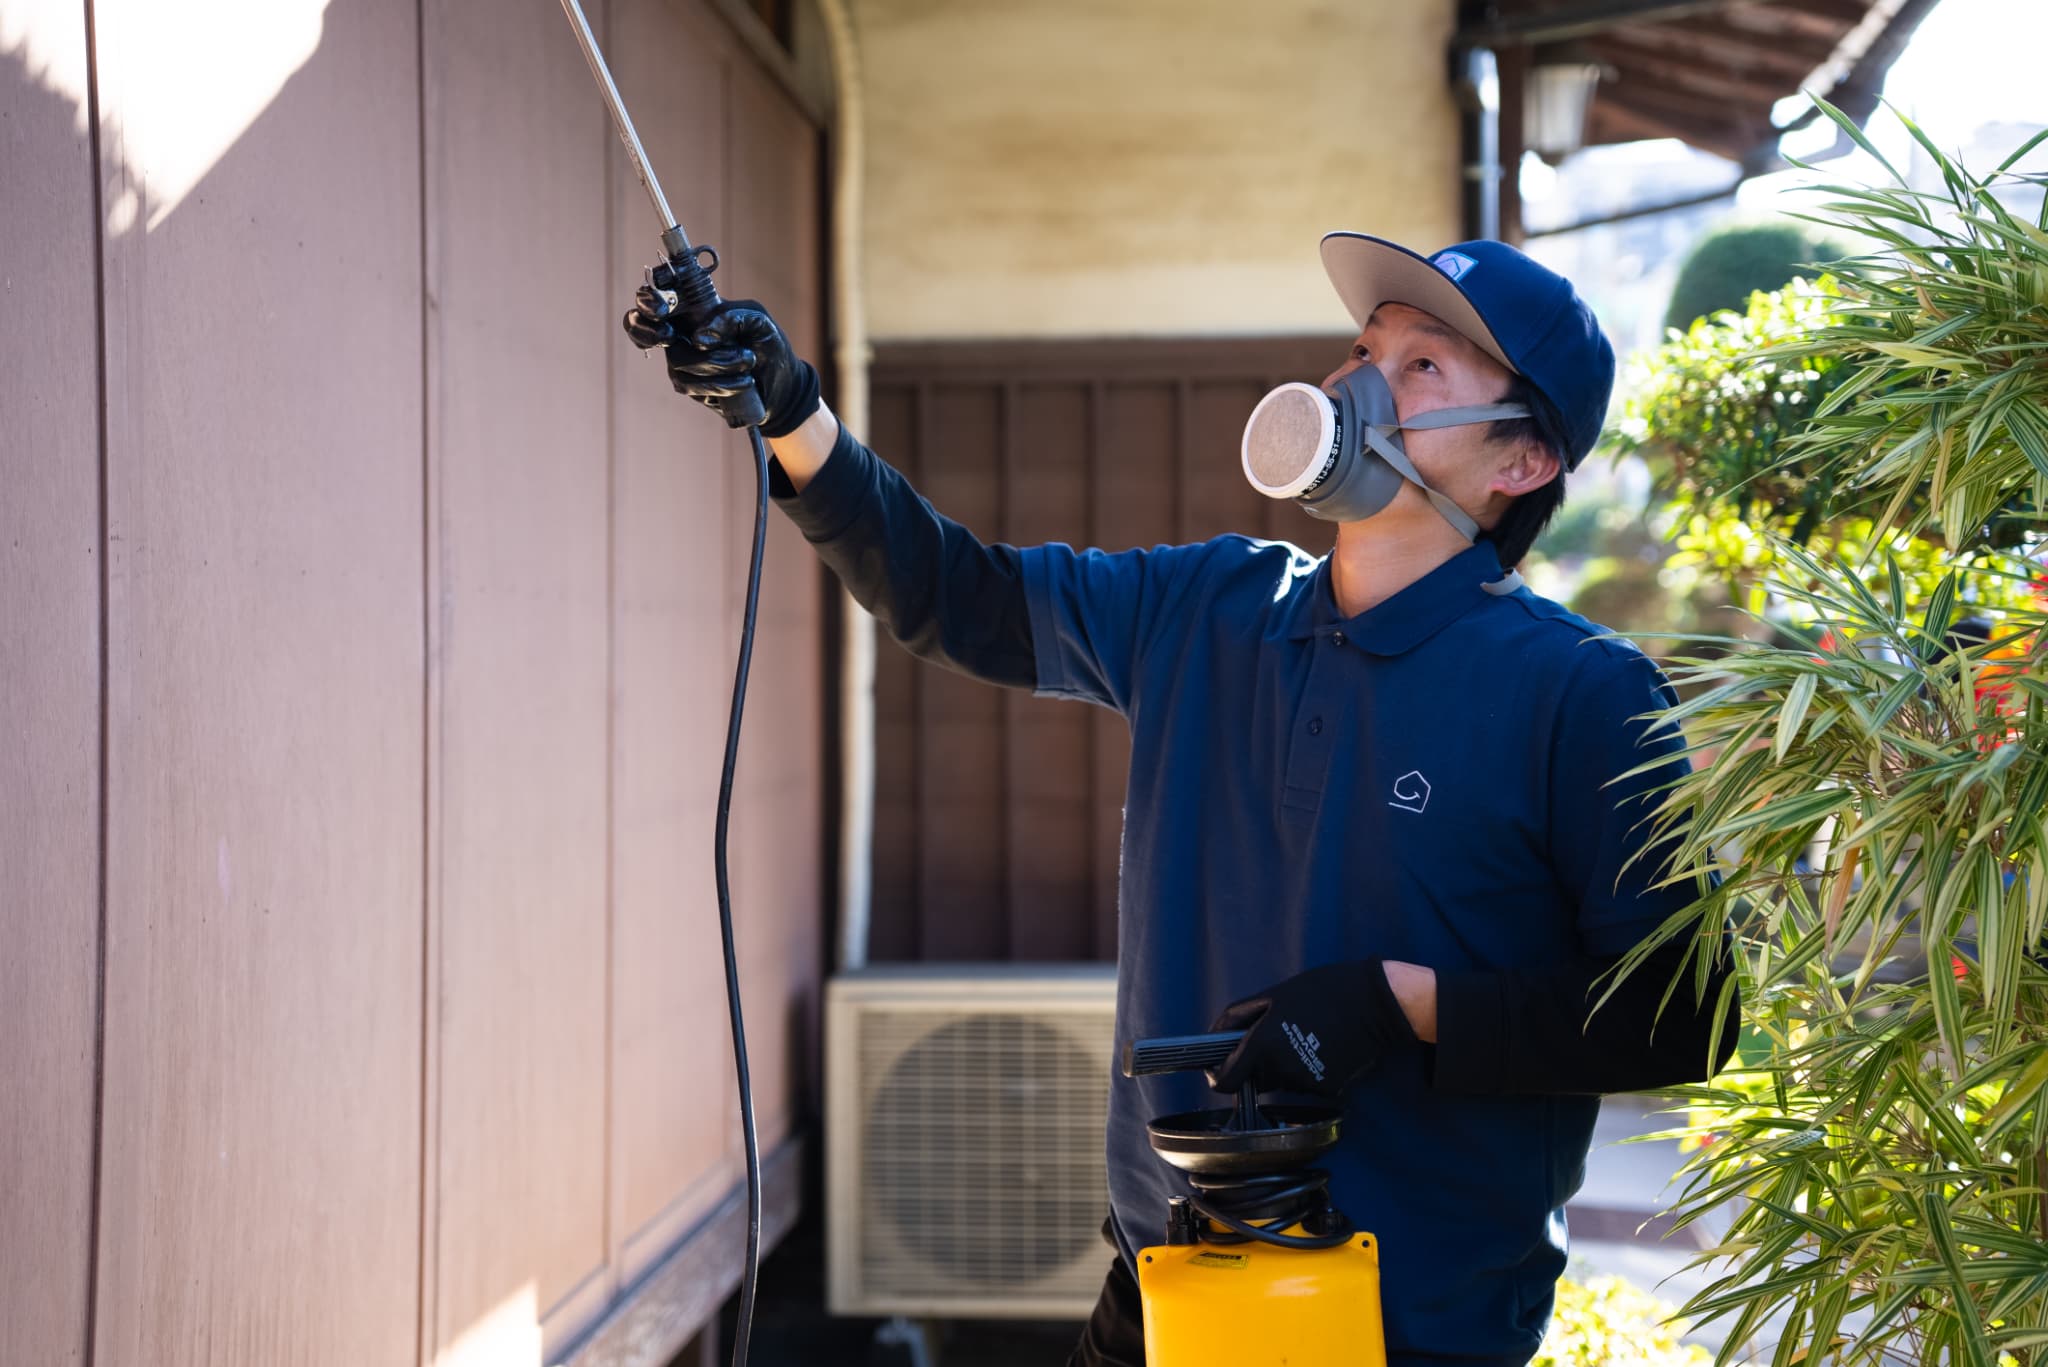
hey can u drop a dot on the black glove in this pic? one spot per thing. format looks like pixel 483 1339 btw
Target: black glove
pixel 738 348
pixel 1317 1032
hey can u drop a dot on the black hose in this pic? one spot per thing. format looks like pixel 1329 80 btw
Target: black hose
pixel 751 1270
pixel 1277 1200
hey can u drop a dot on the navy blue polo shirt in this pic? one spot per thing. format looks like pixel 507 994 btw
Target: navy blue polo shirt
pixel 1426 781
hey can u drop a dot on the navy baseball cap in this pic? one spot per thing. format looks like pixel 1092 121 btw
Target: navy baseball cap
pixel 1518 311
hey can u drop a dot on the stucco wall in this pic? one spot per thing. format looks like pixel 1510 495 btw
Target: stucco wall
pixel 1068 167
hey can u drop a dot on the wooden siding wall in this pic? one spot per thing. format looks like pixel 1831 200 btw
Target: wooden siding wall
pixel 51 551
pixel 369 609
pixel 999 816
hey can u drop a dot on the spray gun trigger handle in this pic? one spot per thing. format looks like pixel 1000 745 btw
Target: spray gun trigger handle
pixel 656 298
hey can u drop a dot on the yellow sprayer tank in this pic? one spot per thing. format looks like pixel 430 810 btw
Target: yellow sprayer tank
pixel 1254 1305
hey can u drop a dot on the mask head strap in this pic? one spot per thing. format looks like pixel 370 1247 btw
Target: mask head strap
pixel 1392 454
pixel 1377 436
pixel 1470 413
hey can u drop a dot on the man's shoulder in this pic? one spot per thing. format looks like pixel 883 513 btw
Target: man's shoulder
pixel 1254 557
pixel 1231 552
pixel 1236 551
pixel 1246 577
pixel 1552 634
pixel 1178 587
pixel 1222 564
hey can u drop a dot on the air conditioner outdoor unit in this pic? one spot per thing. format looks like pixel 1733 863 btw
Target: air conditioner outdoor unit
pixel 965 1107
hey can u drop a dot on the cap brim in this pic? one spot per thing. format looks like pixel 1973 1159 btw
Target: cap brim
pixel 1370 271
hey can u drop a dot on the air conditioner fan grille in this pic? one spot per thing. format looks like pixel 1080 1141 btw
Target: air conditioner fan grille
pixel 983 1152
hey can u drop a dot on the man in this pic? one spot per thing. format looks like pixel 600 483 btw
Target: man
pixel 1372 800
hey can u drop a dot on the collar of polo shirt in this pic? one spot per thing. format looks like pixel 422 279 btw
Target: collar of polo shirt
pixel 1407 619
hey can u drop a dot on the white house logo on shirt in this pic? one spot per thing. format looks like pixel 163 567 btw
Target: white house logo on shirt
pixel 1411 791
pixel 1453 264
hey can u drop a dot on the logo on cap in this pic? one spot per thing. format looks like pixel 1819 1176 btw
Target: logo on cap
pixel 1453 264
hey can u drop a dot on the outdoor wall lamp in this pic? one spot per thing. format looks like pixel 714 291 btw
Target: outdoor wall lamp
pixel 1555 101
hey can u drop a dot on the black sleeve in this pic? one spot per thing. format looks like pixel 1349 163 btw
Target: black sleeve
pixel 1530 1032
pixel 941 593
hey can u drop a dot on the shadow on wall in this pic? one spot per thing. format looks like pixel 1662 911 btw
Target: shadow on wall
pixel 45 123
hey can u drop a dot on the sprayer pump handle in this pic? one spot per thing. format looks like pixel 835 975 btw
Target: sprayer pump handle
pixel 1179 1053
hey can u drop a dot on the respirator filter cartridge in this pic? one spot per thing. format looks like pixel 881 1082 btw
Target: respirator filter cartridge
pixel 1292 441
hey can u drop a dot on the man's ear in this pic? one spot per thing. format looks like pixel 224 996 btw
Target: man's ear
pixel 1532 465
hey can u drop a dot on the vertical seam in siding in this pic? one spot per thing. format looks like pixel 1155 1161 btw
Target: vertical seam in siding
pixel 429 1133
pixel 99 1006
pixel 611 683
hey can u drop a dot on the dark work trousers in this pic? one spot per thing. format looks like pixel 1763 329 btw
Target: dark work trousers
pixel 1115 1333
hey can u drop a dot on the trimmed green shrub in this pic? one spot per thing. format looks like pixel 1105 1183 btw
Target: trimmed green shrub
pixel 1733 262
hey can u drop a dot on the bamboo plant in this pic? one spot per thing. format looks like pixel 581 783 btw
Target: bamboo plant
pixel 1871 799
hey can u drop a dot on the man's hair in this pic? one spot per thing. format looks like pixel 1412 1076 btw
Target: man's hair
pixel 1530 513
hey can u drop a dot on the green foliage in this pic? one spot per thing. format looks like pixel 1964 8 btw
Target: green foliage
pixel 1605 1322
pixel 1886 802
pixel 1942 428
pixel 1721 545
pixel 1712 420
pixel 1740 421
pixel 1870 795
pixel 1735 261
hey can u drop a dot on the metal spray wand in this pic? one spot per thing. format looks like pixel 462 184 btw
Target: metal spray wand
pixel 696 297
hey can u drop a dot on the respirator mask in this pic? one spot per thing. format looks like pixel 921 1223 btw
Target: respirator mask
pixel 1340 455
